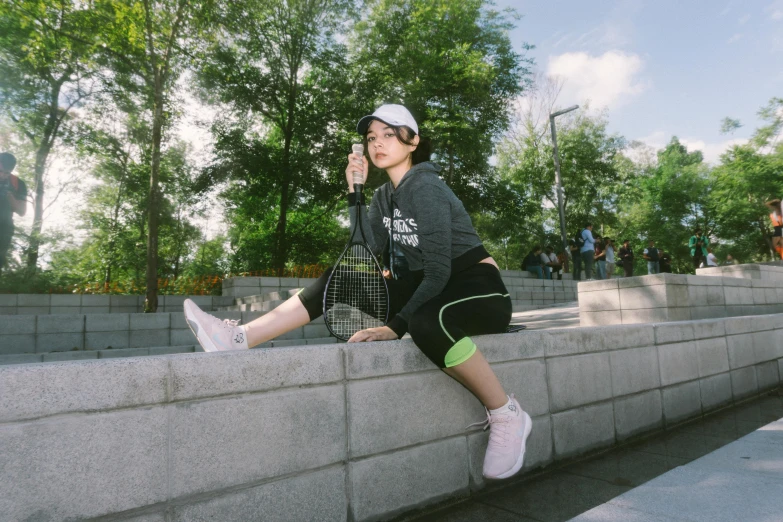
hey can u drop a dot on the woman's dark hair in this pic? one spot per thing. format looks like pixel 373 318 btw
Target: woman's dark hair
pixel 405 135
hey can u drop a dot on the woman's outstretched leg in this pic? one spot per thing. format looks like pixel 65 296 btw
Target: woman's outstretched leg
pixel 217 335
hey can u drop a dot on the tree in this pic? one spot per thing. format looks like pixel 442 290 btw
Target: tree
pixel 275 66
pixel 143 44
pixel 452 64
pixel 46 63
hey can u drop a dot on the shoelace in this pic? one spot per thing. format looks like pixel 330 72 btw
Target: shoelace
pixel 502 422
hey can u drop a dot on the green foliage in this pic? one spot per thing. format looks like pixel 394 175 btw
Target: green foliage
pixel 453 66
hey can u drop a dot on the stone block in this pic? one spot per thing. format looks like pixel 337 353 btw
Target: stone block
pixel 91 310
pixel 321 341
pixel 33 310
pixel 50 389
pixel 22 358
pixel 673 332
pixel 677 296
pixel 96 300
pixel 738 295
pixel 376 406
pixel 70 356
pixel 106 322
pixel 116 353
pixel 170 350
pixel 17 344
pixel 643 297
pixel 312 331
pixel 638 414
pixel 199 376
pixel 65 300
pixel 59 342
pixel 15 325
pixel 740 350
pixel 147 338
pixel 104 340
pixel 527 380
pixel 60 324
pixel 708 312
pixel 124 451
pixel 712 355
pixel 8 300
pixel 600 285
pixel 65 310
pixel 600 318
pixel 766 345
pixel 182 336
pixel 715 391
pixel 7 310
pixel 767 375
pixel 578 380
pixel 634 370
pixel 374 359
pixel 296 333
pixel 599 301
pixel 566 341
pixel 582 429
pixel 38 300
pixel 432 472
pixel 313 496
pixel 681 402
pixel 647 315
pixel 287 343
pixel 217 444
pixel 126 300
pixel 744 383
pixel 678 362
pixel 149 321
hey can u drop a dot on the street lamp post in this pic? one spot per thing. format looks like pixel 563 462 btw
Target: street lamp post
pixel 558 181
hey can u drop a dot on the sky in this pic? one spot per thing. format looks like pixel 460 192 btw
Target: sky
pixel 660 68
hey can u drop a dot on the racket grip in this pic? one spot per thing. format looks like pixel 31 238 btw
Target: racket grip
pixel 358 177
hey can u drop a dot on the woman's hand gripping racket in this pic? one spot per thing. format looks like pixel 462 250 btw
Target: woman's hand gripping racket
pixel 356 296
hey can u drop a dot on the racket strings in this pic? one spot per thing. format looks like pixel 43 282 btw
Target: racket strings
pixel 356 297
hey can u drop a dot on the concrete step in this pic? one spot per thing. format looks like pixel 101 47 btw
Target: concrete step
pixel 81 355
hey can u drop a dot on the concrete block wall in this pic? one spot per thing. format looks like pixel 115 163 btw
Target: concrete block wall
pixel 39 337
pixel 69 304
pixel 768 271
pixel 264 293
pixel 675 297
pixel 345 432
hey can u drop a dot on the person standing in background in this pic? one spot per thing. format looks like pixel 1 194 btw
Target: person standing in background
pixel 588 250
pixel 776 216
pixel 626 257
pixel 13 200
pixel 665 262
pixel 610 261
pixel 600 258
pixel 711 259
pixel 698 245
pixel 576 256
pixel 652 257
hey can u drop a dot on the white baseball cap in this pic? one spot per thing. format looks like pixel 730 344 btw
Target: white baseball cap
pixel 391 114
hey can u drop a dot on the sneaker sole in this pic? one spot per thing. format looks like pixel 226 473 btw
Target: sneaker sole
pixel 204 341
pixel 520 461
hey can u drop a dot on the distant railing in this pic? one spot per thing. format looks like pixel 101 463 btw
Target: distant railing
pixel 203 285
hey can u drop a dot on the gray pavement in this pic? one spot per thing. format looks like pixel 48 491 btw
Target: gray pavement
pixel 694 472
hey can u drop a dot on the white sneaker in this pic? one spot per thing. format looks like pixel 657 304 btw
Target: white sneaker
pixel 509 430
pixel 213 334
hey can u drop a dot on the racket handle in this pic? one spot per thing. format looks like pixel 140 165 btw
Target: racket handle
pixel 358 177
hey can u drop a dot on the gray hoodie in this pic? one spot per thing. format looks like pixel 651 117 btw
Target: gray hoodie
pixel 431 228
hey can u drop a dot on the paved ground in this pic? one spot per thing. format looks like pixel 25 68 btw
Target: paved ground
pixel 561 315
pixel 741 481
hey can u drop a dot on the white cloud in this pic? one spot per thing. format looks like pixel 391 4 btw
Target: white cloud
pixel 775 10
pixel 744 19
pixel 711 151
pixel 734 38
pixel 608 80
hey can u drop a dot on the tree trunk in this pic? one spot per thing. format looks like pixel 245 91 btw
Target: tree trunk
pixel 41 156
pixel 281 254
pixel 151 302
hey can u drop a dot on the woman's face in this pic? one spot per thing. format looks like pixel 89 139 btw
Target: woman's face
pixel 385 150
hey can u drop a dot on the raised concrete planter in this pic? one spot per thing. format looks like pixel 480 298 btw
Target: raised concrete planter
pixel 674 297
pixel 345 432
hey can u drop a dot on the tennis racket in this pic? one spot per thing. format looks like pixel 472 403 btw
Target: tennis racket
pixel 356 295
